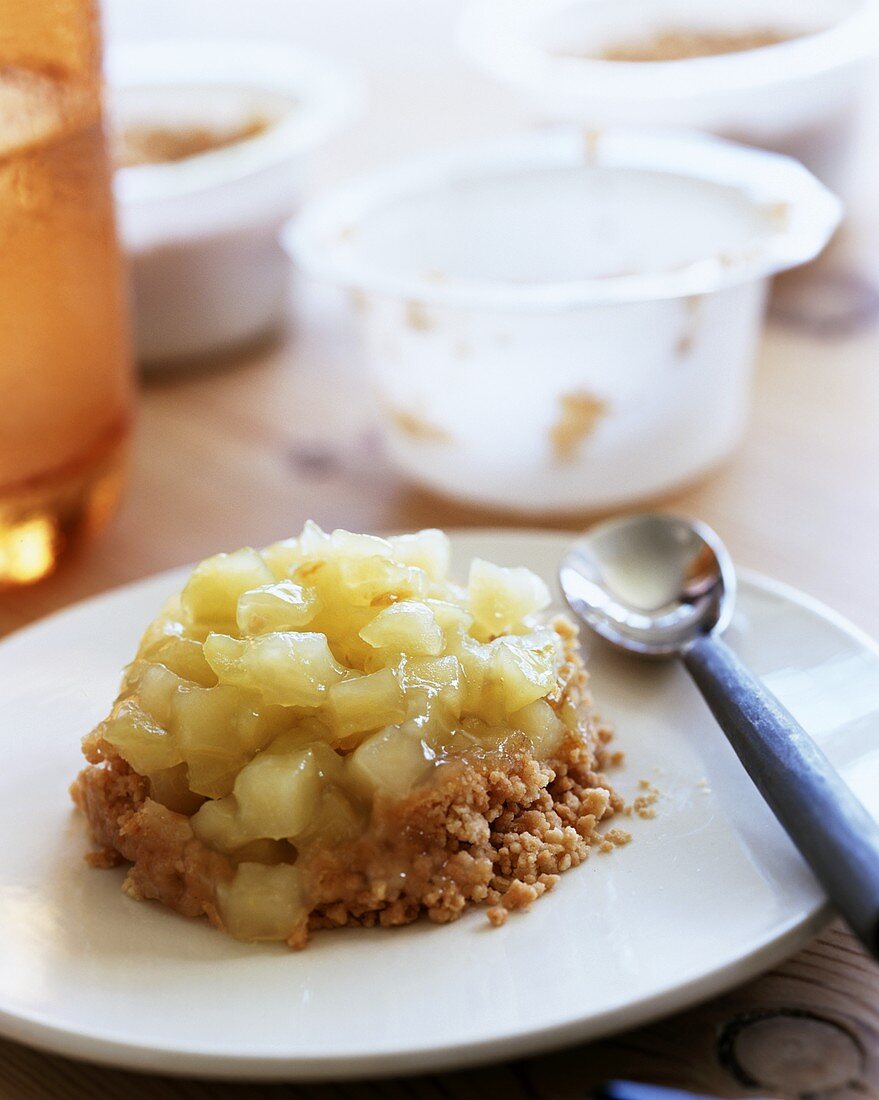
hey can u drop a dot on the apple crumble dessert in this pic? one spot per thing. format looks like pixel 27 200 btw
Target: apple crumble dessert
pixel 331 731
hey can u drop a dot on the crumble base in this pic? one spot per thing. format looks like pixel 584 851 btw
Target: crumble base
pixel 498 829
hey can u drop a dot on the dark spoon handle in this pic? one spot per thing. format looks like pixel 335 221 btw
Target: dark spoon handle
pixel 834 833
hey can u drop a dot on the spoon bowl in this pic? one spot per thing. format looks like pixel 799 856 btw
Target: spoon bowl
pixel 650 584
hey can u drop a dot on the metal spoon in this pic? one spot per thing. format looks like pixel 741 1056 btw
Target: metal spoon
pixel 662 586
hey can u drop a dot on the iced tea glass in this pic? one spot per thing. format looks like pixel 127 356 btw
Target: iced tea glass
pixel 65 370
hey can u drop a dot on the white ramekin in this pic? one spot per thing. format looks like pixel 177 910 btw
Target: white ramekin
pixel 798 97
pixel 201 234
pixel 557 325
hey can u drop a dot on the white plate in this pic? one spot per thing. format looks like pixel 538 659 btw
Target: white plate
pixel 709 893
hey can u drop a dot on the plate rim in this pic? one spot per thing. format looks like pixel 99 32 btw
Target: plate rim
pixel 33 1029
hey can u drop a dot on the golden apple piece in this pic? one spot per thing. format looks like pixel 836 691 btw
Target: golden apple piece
pixel 391 761
pixel 256 724
pixel 217 824
pixel 282 558
pixel 428 550
pixel 170 787
pixel 141 740
pixel 541 725
pixel 369 582
pixel 262 902
pixel 502 598
pixel 155 691
pixel 338 818
pixel 278 793
pixel 365 703
pixel 185 657
pixel 407 627
pixel 453 619
pixel 287 668
pixel 277 607
pixel 475 660
pixel 525 667
pixel 433 685
pixel 206 721
pixel 211 593
pixel 347 545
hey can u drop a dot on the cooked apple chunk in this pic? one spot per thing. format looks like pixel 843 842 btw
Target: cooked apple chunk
pixel 332 731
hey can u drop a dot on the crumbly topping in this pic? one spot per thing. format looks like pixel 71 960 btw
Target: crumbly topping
pixel 498 829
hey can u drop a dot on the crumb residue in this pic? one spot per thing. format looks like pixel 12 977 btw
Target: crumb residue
pixel 644 805
pixel 137 145
pixel 359 300
pixel 778 215
pixel 680 44
pixel 742 256
pixel 579 415
pixel 591 139
pixel 103 857
pixel 687 338
pixel 614 838
pixel 418 318
pixel 417 427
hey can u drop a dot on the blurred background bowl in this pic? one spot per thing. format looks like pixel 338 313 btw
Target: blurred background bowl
pixel 798 95
pixel 558 324
pixel 212 141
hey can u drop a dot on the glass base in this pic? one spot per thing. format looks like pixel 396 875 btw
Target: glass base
pixel 40 521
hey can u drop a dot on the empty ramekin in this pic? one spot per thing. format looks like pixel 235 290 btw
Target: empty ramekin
pixel 201 233
pixel 797 96
pixel 557 325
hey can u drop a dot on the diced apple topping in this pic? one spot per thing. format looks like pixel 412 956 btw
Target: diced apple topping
pixel 285 690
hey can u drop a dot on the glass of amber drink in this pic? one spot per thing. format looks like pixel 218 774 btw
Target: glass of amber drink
pixel 65 369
